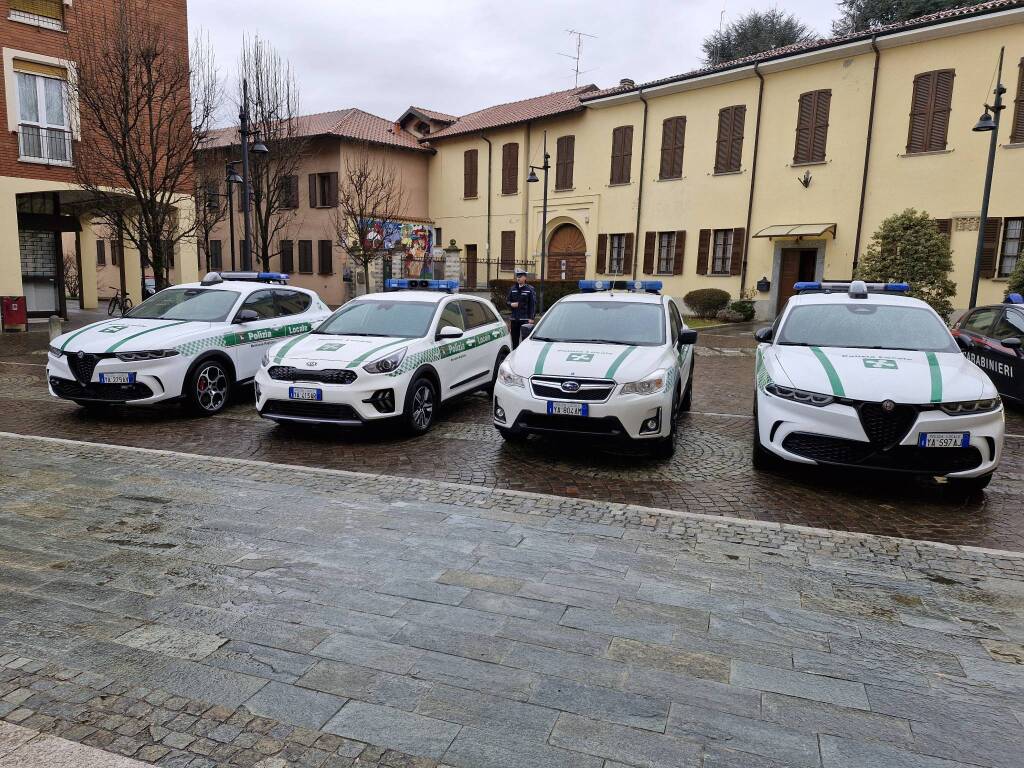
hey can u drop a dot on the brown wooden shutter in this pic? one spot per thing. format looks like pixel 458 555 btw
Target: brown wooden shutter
pixel 990 247
pixel 1017 129
pixel 602 254
pixel 729 143
pixel 804 128
pixel 469 166
pixel 564 162
pixel 722 139
pixel 739 114
pixel 945 226
pixel 929 111
pixel 627 256
pixel 941 107
pixel 293 191
pixel 326 255
pixel 650 244
pixel 812 127
pixel 739 237
pixel 673 134
pixel 312 191
pixel 510 169
pixel 622 154
pixel 703 247
pixel 287 261
pixel 332 189
pixel 508 249
pixel 680 251
pixel 101 253
pixel 819 134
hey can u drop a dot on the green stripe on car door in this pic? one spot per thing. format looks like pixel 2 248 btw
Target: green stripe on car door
pixel 936 376
pixel 374 351
pixel 539 368
pixel 830 371
pixel 617 362
pixel 83 330
pixel 112 347
pixel 285 349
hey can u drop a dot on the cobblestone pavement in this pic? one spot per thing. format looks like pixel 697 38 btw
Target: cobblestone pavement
pixel 710 473
pixel 195 611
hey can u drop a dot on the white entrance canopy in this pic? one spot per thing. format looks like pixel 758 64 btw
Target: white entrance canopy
pixel 797 230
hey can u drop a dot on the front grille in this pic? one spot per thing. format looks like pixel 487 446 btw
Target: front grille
pixel 309 410
pixel 581 425
pixel 83 365
pixel 591 390
pixel 326 376
pixel 111 393
pixel 908 458
pixel 886 428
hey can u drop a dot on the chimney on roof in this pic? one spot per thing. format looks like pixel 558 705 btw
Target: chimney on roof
pixel 626 83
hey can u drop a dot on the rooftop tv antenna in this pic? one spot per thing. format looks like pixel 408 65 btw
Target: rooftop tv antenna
pixel 579 53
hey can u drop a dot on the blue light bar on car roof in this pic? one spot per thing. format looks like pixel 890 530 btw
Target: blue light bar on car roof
pixel 409 284
pixel 212 278
pixel 647 286
pixel 844 287
pixel 1014 298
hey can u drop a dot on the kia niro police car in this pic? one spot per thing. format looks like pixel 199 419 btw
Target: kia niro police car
pixel 191 342
pixel 383 356
pixel 613 361
pixel 859 374
pixel 991 339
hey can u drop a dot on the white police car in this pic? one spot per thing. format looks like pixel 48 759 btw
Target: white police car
pixel 858 374
pixel 613 361
pixel 190 341
pixel 396 354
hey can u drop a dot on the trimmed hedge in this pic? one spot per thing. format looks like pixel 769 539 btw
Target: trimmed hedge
pixel 743 308
pixel 553 291
pixel 706 302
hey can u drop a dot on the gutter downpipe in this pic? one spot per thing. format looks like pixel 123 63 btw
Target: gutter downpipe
pixel 867 156
pixel 489 160
pixel 640 186
pixel 753 179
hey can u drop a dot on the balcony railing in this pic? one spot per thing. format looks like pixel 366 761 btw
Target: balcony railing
pixel 44 145
pixel 44 13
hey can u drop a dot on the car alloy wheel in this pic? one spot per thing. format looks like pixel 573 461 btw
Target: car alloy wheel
pixel 422 406
pixel 212 388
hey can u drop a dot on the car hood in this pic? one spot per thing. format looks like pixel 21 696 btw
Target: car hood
pixel 127 334
pixel 876 374
pixel 584 359
pixel 321 350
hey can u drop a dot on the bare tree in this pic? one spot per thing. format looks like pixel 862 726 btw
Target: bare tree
pixel 146 108
pixel 274 116
pixel 211 203
pixel 370 197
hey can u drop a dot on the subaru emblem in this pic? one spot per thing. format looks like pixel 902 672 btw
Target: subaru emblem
pixel 570 386
pixel 888 406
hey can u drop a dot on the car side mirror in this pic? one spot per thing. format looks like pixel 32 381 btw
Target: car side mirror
pixel 687 336
pixel 964 342
pixel 1012 343
pixel 449 332
pixel 764 335
pixel 246 316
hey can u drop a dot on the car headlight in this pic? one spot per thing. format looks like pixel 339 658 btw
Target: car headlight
pixel 386 364
pixel 650 385
pixel 149 354
pixel 799 395
pixel 508 378
pixel 55 351
pixel 970 406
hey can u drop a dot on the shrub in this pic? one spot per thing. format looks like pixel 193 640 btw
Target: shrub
pixel 909 247
pixel 553 291
pixel 743 308
pixel 1016 284
pixel 730 316
pixel 705 302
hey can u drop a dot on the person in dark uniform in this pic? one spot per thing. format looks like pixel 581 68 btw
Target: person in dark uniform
pixel 522 300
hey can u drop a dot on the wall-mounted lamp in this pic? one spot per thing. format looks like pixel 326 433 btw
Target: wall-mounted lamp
pixel 805 179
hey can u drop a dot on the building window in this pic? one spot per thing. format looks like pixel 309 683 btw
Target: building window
pixel 673 132
pixel 44 131
pixel 564 156
pixel 323 190
pixel 42 13
pixel 1017 129
pixel 438 238
pixel 616 254
pixel 721 261
pixel 929 111
pixel 1011 246
pixel 326 257
pixel 306 257
pixel 729 143
pixel 812 127
pixel 508 250
pixel 288 192
pixel 101 253
pixel 470 173
pixel 216 256
pixel 666 252
pixel 622 154
pixel 510 169
pixel 287 256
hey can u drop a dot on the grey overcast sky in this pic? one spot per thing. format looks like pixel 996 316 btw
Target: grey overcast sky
pixel 458 56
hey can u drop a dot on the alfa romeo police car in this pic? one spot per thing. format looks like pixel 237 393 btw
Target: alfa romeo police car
pixel 991 339
pixel 613 361
pixel 190 341
pixel 859 374
pixel 383 356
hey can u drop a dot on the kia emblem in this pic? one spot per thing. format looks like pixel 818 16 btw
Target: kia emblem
pixel 888 406
pixel 570 386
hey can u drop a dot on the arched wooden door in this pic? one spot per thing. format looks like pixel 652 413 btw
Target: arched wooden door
pixel 567 254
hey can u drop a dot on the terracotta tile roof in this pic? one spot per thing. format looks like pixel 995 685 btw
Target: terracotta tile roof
pixel 514 112
pixel 433 114
pixel 950 14
pixel 351 123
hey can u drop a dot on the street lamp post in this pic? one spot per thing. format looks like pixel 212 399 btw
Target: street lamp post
pixel 232 179
pixel 989 122
pixel 532 178
pixel 258 148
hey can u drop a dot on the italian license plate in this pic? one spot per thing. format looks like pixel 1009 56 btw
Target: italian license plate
pixel 944 439
pixel 117 378
pixel 567 409
pixel 305 393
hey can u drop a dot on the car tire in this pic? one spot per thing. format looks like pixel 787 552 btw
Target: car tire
pixel 512 435
pixel 497 364
pixel 420 406
pixel 687 402
pixel 665 447
pixel 208 387
pixel 966 486
pixel 761 457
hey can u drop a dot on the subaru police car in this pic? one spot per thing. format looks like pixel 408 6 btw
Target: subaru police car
pixel 991 339
pixel 190 341
pixel 391 355
pixel 613 361
pixel 859 374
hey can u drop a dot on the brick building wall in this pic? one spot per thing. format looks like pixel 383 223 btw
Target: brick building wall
pixel 37 253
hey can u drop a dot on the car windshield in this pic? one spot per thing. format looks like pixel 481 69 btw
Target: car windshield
pixel 409 319
pixel 610 322
pixel 199 304
pixel 866 326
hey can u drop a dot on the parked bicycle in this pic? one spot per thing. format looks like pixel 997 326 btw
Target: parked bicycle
pixel 119 302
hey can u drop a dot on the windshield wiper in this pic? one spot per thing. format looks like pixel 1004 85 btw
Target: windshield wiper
pixel 543 338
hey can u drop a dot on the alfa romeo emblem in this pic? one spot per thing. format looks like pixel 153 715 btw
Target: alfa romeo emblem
pixel 570 386
pixel 81 354
pixel 888 406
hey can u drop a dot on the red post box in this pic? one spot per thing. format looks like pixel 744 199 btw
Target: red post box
pixel 13 313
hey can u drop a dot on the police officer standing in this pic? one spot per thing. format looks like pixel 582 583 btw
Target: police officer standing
pixel 522 299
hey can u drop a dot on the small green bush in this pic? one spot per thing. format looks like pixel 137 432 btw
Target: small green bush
pixel 553 291
pixel 743 308
pixel 1016 284
pixel 706 302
